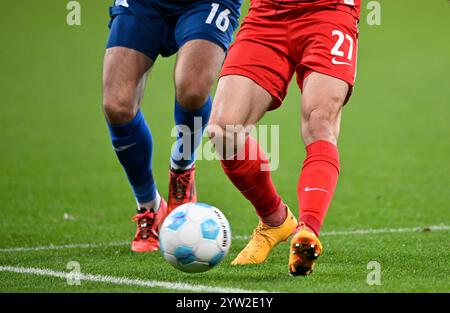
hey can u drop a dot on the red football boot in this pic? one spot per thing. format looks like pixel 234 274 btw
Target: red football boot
pixel 181 188
pixel 148 223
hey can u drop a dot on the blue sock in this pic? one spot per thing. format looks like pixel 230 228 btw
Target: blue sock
pixel 190 125
pixel 133 144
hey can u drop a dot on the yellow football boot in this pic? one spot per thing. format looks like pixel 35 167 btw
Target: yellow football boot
pixel 305 249
pixel 264 239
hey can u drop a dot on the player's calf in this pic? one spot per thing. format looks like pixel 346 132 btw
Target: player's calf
pixel 322 101
pixel 124 75
pixel 196 70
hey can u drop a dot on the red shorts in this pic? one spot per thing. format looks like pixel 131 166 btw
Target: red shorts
pixel 271 44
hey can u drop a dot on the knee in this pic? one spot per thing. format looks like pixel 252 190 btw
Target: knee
pixel 228 138
pixel 218 134
pixel 118 110
pixel 321 118
pixel 192 93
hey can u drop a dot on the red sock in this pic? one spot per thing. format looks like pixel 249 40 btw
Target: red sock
pixel 256 185
pixel 317 183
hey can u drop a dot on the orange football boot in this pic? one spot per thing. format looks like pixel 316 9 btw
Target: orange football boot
pixel 181 187
pixel 147 228
pixel 264 239
pixel 305 249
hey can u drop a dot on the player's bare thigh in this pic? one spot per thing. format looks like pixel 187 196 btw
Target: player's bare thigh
pixel 124 74
pixel 323 98
pixel 196 69
pixel 238 101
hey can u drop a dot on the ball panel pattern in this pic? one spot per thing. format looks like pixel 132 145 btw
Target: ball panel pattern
pixel 216 259
pixel 210 229
pixel 198 213
pixel 168 241
pixel 206 250
pixel 195 267
pixel 176 220
pixel 184 255
pixel 189 234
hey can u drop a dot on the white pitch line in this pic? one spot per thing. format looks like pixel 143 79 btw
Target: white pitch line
pixel 369 231
pixel 69 246
pixel 387 230
pixel 124 281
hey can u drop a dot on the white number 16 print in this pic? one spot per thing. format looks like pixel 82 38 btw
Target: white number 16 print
pixel 222 20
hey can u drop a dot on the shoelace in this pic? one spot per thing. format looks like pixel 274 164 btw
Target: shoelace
pixel 179 185
pixel 262 236
pixel 145 224
pixel 260 240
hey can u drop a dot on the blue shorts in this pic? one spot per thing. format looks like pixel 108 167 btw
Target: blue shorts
pixel 161 27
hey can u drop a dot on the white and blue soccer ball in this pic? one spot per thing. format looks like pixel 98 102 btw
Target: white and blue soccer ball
pixel 195 237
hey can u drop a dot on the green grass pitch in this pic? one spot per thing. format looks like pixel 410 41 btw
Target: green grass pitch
pixel 56 158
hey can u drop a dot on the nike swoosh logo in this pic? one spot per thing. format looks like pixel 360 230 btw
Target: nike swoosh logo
pixel 334 61
pixel 122 148
pixel 315 189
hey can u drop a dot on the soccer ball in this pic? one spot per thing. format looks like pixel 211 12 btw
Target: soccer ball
pixel 195 237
